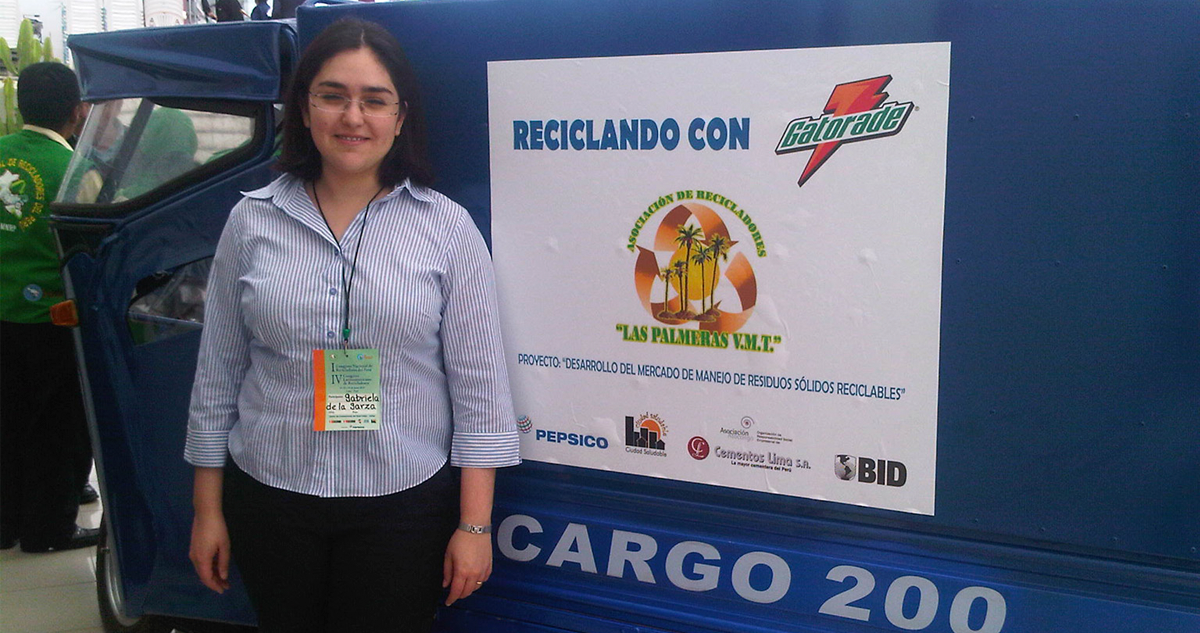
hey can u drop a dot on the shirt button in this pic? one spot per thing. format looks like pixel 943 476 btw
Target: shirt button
pixel 333 291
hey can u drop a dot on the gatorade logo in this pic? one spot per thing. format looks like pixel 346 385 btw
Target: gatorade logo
pixel 855 112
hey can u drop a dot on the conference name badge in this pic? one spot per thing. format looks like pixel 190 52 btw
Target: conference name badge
pixel 346 390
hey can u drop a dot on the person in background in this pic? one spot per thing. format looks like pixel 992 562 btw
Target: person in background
pixel 229 11
pixel 349 269
pixel 166 149
pixel 285 8
pixel 261 11
pixel 43 434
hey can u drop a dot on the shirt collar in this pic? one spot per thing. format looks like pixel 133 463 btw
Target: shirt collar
pixel 287 190
pixel 51 134
pixel 424 194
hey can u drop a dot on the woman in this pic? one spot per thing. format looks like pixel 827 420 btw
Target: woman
pixel 349 256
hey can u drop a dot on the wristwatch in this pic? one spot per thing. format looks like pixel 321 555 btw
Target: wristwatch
pixel 475 529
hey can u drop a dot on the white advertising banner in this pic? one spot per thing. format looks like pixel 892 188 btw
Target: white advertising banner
pixel 725 268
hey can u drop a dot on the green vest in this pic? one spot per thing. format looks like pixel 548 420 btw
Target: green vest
pixel 31 169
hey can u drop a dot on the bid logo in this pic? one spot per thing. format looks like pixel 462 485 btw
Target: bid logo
pixel 870 471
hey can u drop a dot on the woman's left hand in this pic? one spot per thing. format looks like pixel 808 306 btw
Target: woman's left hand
pixel 468 564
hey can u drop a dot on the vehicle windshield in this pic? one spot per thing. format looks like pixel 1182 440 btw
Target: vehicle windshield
pixel 131 147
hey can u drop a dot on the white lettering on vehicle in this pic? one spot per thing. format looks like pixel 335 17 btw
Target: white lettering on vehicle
pixel 840 605
pixel 696 566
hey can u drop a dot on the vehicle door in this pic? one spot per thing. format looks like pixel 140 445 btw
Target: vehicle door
pixel 183 120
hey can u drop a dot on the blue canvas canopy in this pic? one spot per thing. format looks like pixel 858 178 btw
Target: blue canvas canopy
pixel 242 61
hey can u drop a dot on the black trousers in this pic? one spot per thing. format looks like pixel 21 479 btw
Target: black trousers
pixel 345 564
pixel 45 453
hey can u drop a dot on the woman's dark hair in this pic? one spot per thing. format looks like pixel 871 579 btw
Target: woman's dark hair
pixel 408 157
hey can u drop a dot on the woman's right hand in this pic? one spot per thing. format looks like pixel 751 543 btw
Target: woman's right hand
pixel 210 550
pixel 210 538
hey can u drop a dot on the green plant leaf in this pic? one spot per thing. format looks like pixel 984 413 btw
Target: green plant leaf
pixel 11 119
pixel 25 45
pixel 6 53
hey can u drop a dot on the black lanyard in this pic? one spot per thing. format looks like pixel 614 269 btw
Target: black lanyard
pixel 346 285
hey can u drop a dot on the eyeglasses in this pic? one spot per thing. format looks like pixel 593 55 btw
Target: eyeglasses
pixel 369 106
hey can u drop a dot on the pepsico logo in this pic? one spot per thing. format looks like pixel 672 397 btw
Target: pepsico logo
pixel 524 424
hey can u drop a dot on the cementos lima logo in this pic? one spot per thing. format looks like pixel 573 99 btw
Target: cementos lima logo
pixel 855 112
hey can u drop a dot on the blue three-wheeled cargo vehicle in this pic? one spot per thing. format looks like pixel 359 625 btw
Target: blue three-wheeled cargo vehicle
pixel 1067 320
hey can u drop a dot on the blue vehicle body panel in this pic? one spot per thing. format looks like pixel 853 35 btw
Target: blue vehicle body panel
pixel 146 388
pixel 1070 358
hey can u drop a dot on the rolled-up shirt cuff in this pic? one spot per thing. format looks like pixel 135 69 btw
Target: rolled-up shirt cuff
pixel 485 450
pixel 206 449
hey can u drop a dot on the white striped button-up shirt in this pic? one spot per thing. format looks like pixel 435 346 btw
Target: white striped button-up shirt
pixel 423 294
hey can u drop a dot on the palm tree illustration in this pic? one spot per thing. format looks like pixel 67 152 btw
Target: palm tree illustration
pixel 719 246
pixel 687 236
pixel 666 275
pixel 702 257
pixel 680 275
